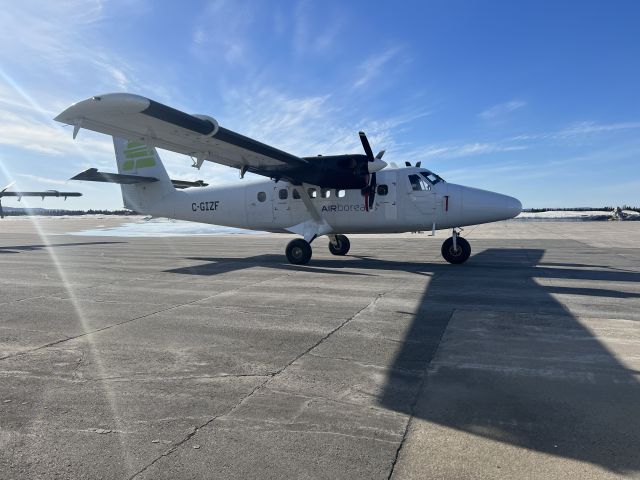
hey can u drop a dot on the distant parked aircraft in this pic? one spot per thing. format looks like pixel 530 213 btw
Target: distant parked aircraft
pixel 46 193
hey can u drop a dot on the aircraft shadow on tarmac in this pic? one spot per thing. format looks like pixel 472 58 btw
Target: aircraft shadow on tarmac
pixel 564 407
pixel 218 266
pixel 31 248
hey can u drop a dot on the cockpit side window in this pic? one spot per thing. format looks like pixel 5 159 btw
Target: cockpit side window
pixel 418 184
pixel 431 177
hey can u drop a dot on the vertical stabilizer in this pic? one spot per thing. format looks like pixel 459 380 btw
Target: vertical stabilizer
pixel 136 158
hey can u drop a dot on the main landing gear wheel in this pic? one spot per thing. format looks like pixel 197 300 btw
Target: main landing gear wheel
pixel 341 247
pixel 457 255
pixel 298 251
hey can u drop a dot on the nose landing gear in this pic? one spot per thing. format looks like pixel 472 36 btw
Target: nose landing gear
pixel 456 249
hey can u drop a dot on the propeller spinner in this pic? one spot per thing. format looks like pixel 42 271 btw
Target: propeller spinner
pixel 375 164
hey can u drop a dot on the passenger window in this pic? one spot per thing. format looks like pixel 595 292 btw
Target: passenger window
pixel 295 194
pixel 312 192
pixel 262 196
pixel 325 193
pixel 283 194
pixel 418 184
pixel 341 193
pixel 383 190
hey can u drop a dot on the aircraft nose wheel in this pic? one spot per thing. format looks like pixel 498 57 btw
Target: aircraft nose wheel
pixel 341 245
pixel 456 255
pixel 298 251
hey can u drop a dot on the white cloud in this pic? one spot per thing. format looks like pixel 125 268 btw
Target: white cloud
pixel 502 109
pixel 38 179
pixel 434 152
pixel 588 128
pixel 578 130
pixel 313 36
pixel 54 32
pixel 308 125
pixel 222 31
pixel 373 66
pixel 25 127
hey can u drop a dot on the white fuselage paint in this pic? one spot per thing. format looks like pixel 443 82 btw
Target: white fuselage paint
pixel 401 210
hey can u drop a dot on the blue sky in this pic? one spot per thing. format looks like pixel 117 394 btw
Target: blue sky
pixel 536 99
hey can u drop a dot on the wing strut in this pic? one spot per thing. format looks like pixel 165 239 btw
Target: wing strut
pixel 316 225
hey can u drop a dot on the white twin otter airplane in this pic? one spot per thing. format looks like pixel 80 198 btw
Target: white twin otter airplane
pixel 309 196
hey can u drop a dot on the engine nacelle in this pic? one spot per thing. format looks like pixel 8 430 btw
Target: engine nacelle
pixel 209 119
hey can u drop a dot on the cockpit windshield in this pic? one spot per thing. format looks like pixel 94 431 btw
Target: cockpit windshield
pixel 431 177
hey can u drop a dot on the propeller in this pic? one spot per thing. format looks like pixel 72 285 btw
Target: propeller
pixel 375 163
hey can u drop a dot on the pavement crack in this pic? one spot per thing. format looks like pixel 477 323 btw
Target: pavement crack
pixel 259 386
pixel 414 403
pixel 147 378
pixel 124 322
pixel 195 430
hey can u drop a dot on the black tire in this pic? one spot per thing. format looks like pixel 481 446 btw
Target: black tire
pixel 298 251
pixel 459 256
pixel 342 246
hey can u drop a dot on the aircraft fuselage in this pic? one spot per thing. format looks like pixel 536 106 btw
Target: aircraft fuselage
pixel 398 206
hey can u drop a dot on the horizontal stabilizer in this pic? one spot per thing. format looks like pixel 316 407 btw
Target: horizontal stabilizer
pixel 187 184
pixel 93 175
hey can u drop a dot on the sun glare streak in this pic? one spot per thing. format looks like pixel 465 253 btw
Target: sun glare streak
pixel 75 302
pixel 44 114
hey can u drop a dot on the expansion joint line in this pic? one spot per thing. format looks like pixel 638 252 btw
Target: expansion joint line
pixel 195 430
pixel 124 322
pixel 414 403
pixel 259 386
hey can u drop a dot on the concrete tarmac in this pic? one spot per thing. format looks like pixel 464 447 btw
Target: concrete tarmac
pixel 211 357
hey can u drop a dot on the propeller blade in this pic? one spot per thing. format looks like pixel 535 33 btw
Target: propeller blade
pixel 366 146
pixel 8 186
pixel 372 190
pixel 380 154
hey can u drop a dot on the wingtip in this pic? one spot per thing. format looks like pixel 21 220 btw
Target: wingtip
pixel 106 103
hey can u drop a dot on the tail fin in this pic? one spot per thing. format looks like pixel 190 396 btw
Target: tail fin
pixel 136 158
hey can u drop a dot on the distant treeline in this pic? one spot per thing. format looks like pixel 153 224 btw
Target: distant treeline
pixel 579 209
pixel 16 212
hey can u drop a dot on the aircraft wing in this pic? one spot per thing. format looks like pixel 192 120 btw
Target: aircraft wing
pixel 46 193
pixel 138 118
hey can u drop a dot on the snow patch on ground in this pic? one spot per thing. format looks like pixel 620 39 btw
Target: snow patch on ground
pixel 162 227
pixel 575 215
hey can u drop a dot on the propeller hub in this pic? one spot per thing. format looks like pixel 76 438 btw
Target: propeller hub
pixel 376 165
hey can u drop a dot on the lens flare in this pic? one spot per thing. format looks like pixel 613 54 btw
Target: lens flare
pixel 81 315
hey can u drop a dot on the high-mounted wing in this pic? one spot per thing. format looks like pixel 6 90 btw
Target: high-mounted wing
pixel 138 118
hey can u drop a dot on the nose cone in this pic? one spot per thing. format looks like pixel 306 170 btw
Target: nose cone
pixel 482 206
pixel 513 206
